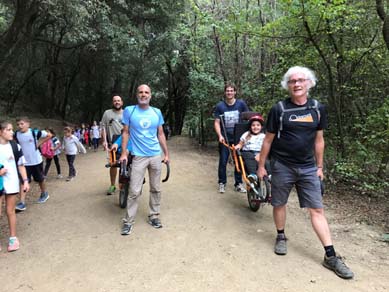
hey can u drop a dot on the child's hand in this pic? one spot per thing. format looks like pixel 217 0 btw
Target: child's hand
pixel 114 147
pixel 238 146
pixel 26 186
pixel 3 171
pixel 257 157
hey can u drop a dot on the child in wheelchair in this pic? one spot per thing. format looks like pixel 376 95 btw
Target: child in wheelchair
pixel 250 144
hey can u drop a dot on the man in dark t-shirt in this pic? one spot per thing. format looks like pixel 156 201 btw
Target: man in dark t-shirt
pixel 227 114
pixel 295 143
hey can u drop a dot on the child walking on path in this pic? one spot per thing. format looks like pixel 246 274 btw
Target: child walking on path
pixel 56 144
pixel 30 139
pixel 12 162
pixel 71 145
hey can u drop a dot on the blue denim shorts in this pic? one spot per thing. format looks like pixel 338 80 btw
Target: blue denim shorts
pixel 305 180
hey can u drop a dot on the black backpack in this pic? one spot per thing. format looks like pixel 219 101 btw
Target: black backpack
pixel 312 104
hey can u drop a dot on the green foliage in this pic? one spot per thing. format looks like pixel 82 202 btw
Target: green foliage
pixel 73 55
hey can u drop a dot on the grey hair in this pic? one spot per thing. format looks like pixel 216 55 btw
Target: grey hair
pixel 309 74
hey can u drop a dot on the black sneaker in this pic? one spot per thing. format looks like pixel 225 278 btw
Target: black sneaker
pixel 155 222
pixel 280 247
pixel 336 264
pixel 126 229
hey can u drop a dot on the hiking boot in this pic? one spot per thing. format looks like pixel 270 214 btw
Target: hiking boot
pixel 222 188
pixel 126 229
pixel 111 190
pixel 43 198
pixel 155 222
pixel 21 206
pixel 336 264
pixel 280 247
pixel 13 244
pixel 240 188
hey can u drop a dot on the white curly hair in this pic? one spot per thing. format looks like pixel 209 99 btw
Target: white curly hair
pixel 309 74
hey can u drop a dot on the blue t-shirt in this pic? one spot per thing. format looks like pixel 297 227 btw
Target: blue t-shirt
pixel 230 115
pixel 118 142
pixel 143 126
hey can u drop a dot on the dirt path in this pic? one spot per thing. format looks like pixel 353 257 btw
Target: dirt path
pixel 209 242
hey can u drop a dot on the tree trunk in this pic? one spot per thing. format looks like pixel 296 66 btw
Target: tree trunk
pixel 20 30
pixel 385 18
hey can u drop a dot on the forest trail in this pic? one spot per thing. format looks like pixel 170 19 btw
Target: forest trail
pixel 209 241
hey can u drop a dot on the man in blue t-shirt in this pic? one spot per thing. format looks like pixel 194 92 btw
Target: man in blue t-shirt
pixel 227 114
pixel 142 127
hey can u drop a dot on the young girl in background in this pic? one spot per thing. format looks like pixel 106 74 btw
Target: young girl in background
pixel 71 145
pixel 57 151
pixel 12 162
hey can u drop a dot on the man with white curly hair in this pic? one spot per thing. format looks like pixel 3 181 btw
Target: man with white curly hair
pixel 295 143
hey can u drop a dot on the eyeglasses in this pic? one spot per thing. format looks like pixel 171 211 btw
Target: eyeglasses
pixel 294 81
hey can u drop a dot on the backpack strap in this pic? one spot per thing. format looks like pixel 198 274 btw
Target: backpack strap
pixel 133 109
pixel 17 153
pixel 312 104
pixel 155 110
pixel 281 105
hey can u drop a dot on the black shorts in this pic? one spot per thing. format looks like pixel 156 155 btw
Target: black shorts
pixel 36 171
pixel 2 192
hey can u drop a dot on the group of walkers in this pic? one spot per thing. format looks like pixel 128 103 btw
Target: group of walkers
pixel 22 156
pixel 293 141
pixel 89 136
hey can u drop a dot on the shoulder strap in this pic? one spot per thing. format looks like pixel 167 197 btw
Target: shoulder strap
pixel 133 109
pixel 312 104
pixel 315 106
pixel 16 136
pixel 36 134
pixel 281 105
pixel 156 112
pixel 17 153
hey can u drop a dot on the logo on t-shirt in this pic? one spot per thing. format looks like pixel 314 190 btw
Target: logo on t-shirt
pixel 145 123
pixel 231 118
pixel 303 118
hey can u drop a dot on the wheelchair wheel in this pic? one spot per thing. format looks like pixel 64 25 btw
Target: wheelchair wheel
pixel 265 190
pixel 254 202
pixel 123 195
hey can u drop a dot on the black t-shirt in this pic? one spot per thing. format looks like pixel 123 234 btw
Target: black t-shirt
pixel 295 146
pixel 230 115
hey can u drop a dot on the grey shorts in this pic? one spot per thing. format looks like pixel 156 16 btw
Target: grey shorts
pixel 305 180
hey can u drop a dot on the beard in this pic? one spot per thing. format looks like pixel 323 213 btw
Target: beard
pixel 116 107
pixel 144 101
